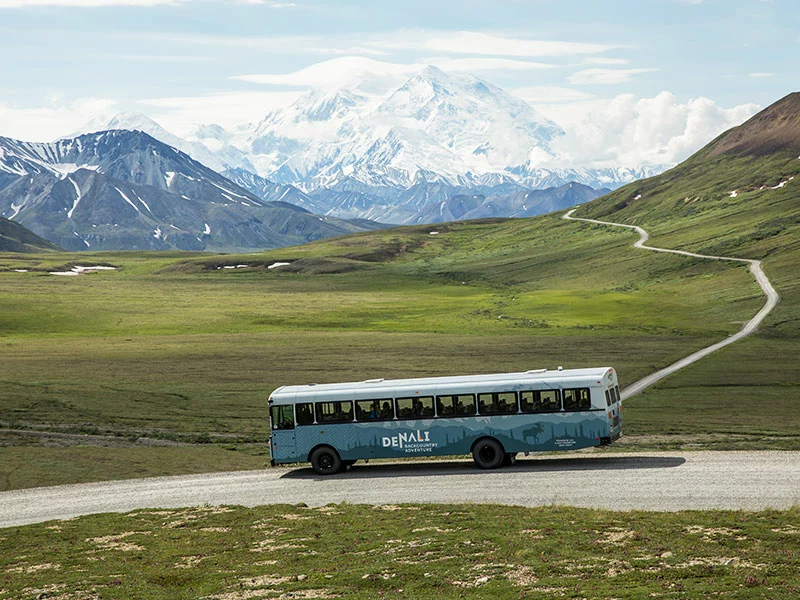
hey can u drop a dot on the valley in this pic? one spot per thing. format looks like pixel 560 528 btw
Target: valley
pixel 175 347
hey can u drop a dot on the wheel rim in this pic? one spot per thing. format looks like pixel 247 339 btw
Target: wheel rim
pixel 487 453
pixel 326 462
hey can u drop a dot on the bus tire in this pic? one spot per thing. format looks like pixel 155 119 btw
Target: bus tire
pixel 325 461
pixel 488 453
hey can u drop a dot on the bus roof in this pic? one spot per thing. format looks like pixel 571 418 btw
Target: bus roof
pixel 378 385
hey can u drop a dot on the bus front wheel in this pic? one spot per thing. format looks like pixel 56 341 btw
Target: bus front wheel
pixel 325 461
pixel 488 453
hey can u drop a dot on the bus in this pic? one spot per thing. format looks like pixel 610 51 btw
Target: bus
pixel 492 417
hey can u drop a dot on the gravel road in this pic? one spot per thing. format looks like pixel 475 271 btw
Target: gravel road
pixel 750 327
pixel 652 481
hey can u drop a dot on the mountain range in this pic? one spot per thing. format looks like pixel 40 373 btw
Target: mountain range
pixel 126 190
pixel 436 147
pixel 434 136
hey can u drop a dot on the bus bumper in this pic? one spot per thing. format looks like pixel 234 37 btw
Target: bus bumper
pixel 605 441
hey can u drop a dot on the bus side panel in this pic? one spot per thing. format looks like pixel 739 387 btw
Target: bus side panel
pixel 426 437
pixel 282 446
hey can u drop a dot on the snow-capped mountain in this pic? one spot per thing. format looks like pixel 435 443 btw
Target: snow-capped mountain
pixel 382 147
pixel 218 156
pixel 126 190
pixel 435 127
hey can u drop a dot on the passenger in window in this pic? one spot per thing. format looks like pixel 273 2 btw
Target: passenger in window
pixel 445 408
pixel 374 412
pixel 304 415
pixel 416 407
pixel 386 411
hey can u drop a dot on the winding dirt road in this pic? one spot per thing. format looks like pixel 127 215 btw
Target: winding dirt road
pixel 750 327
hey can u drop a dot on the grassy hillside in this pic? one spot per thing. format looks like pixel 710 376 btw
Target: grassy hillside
pixel 16 238
pixel 739 196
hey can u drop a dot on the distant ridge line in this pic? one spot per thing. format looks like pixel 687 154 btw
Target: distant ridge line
pixel 749 328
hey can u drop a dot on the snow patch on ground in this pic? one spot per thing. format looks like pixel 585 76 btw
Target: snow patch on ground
pixel 734 193
pixel 782 183
pixel 128 200
pixel 139 198
pixel 207 230
pixel 66 169
pixel 77 197
pixel 169 176
pixel 228 191
pixel 433 233
pixel 157 233
pixel 80 270
pixel 278 264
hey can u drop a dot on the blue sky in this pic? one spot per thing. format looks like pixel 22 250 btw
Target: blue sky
pixel 194 60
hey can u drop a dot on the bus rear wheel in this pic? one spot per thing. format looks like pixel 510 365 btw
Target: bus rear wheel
pixel 325 461
pixel 488 453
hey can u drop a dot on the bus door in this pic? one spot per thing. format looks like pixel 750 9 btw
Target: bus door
pixel 614 412
pixel 282 443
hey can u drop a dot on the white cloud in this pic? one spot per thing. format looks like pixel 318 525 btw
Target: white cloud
pixel 484 65
pixel 541 94
pixel 334 72
pixel 228 109
pixel 370 75
pixel 471 42
pixel 85 3
pixel 270 3
pixel 45 123
pixel 605 76
pixel 104 3
pixel 630 131
pixel 601 60
pixel 761 75
pixel 346 51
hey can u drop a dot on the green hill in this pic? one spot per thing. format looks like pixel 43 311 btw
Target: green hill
pixel 738 196
pixel 16 238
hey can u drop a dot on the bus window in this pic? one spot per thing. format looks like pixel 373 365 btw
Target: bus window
pixel 305 413
pixel 609 401
pixel 415 408
pixel 334 412
pixel 462 405
pixel 540 401
pixel 282 417
pixel 616 393
pixel 374 410
pixel 499 403
pixel 577 399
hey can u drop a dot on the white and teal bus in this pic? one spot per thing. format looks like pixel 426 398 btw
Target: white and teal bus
pixel 492 417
